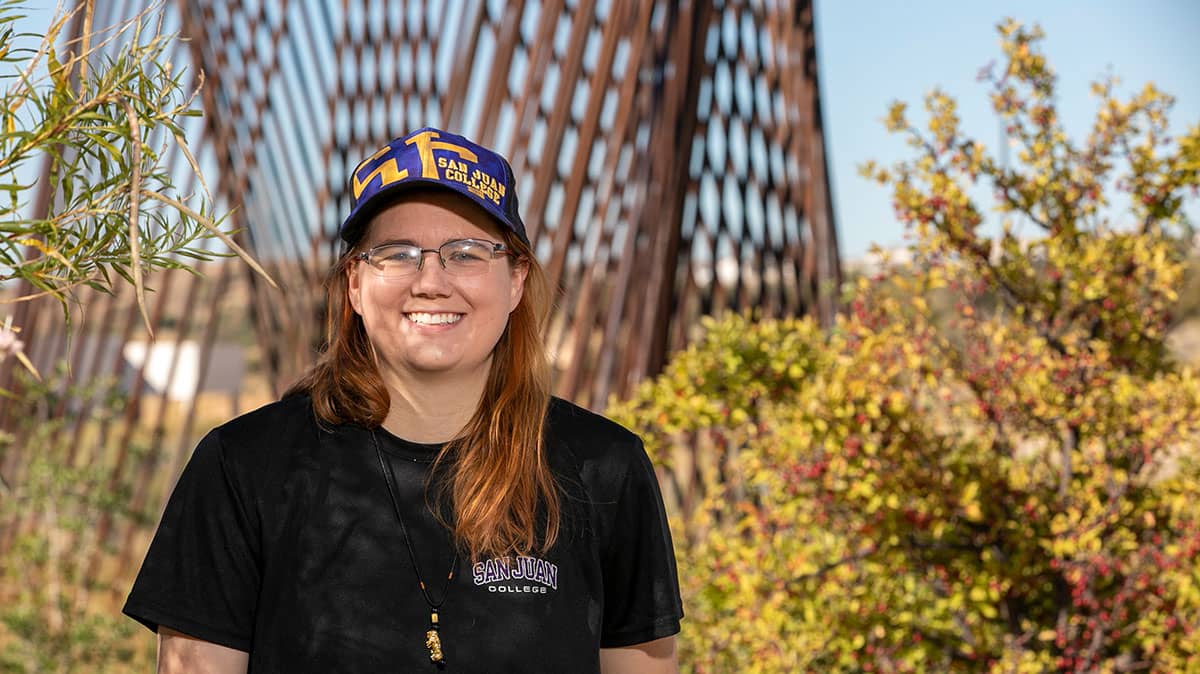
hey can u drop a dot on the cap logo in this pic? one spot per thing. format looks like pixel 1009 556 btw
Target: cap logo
pixel 482 184
pixel 425 147
pixel 388 173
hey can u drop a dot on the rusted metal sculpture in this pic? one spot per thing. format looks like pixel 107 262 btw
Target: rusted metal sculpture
pixel 670 155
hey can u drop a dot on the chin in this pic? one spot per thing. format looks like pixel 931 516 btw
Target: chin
pixel 434 361
pixel 444 365
pixel 433 368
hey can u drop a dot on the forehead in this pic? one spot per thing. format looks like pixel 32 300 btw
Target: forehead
pixel 431 217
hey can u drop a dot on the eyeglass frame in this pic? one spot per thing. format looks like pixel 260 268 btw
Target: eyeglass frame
pixel 498 250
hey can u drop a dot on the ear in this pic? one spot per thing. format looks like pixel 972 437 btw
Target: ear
pixel 354 286
pixel 520 271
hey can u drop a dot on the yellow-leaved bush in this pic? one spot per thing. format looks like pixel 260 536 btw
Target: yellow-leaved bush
pixel 989 462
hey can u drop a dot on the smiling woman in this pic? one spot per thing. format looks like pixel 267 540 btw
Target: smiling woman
pixel 418 501
pixel 442 319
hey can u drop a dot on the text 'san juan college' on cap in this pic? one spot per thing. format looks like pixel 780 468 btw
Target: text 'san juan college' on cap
pixel 432 157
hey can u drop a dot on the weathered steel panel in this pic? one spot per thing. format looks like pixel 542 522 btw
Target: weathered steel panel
pixel 669 154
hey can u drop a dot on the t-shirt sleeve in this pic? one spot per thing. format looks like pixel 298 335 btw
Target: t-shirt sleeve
pixel 641 585
pixel 201 574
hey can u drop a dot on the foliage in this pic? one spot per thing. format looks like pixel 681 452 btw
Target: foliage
pixel 56 614
pixel 988 463
pixel 107 120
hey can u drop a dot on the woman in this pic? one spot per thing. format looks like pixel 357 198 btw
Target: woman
pixel 418 501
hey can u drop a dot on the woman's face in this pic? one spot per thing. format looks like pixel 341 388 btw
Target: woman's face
pixel 432 322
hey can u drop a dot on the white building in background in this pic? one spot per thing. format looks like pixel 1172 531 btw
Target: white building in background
pixel 168 368
pixel 223 374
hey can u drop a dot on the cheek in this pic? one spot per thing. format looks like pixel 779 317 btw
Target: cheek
pixel 491 316
pixel 373 295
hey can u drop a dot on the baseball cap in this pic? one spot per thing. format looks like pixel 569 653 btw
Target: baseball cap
pixel 432 157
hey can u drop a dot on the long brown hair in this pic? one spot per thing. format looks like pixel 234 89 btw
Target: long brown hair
pixel 499 483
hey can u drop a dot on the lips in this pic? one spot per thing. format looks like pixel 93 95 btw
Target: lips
pixel 426 318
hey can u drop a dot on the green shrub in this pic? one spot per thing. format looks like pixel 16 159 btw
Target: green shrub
pixel 988 463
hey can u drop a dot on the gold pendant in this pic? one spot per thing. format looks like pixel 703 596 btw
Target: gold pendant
pixel 434 643
pixel 432 640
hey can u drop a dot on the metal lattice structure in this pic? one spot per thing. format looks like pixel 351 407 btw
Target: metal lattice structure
pixel 669 155
pixel 670 162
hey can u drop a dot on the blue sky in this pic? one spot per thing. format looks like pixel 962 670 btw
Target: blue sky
pixel 873 52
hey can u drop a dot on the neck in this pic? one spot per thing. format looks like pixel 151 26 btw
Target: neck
pixel 432 409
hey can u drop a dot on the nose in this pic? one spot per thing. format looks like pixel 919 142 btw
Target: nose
pixel 437 253
pixel 431 279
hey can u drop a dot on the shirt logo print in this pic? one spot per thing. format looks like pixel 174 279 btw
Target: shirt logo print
pixel 522 575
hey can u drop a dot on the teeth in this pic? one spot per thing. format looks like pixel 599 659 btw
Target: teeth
pixel 433 319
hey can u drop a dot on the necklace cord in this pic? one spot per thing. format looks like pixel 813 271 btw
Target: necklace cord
pixel 412 555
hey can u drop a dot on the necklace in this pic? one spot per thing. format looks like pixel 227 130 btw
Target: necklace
pixel 433 640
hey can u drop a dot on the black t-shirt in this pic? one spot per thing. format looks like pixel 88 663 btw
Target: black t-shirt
pixel 280 539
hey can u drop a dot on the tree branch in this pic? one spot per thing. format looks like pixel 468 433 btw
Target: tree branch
pixel 135 188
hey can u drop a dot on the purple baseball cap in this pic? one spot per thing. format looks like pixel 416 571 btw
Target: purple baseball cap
pixel 432 157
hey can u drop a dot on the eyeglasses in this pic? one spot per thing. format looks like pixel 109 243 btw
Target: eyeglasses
pixel 460 257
